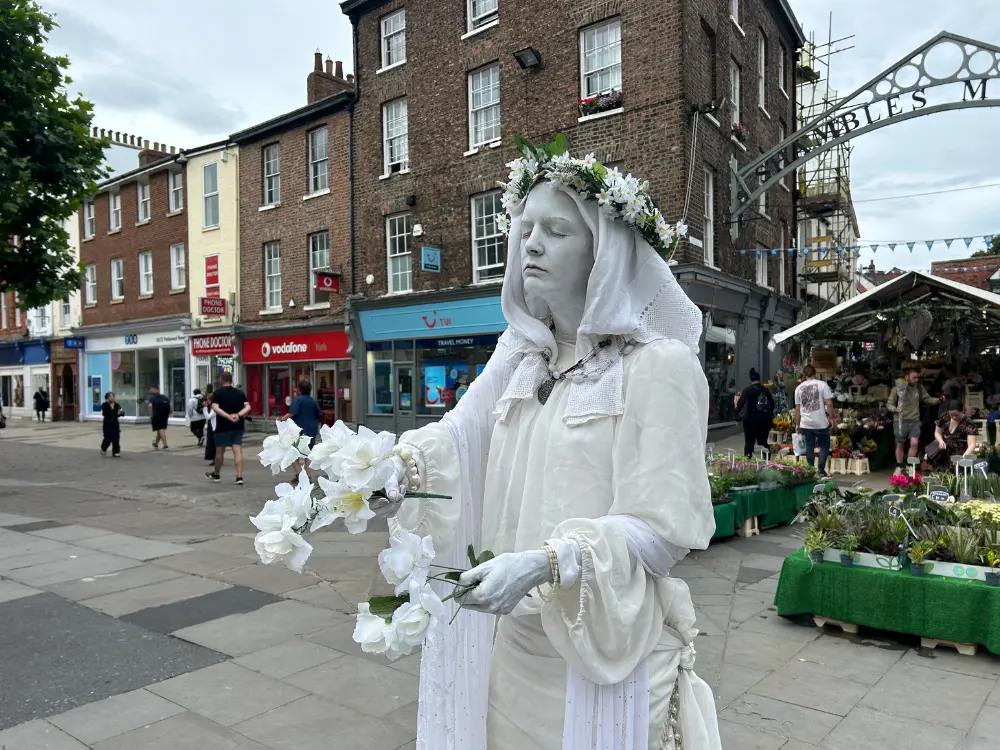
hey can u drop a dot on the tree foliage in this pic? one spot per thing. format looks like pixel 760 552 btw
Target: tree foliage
pixel 993 249
pixel 49 161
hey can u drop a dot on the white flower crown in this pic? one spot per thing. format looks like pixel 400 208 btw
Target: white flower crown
pixel 620 196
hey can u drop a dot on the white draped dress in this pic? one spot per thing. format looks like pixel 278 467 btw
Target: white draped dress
pixel 616 624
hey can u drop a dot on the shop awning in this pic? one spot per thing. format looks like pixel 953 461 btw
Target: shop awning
pixel 717 335
pixel 852 319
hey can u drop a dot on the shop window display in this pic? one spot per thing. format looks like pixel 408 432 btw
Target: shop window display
pixel 123 381
pixel 446 373
pixel 174 371
pixel 147 374
pixel 720 370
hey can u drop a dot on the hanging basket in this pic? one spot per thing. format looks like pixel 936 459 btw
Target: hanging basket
pixel 916 327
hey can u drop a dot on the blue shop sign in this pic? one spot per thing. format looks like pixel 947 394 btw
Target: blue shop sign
pixel 25 353
pixel 430 259
pixel 447 320
pixel 384 346
pixel 78 342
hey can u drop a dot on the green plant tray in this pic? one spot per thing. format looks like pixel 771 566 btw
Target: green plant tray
pixel 773 507
pixel 947 609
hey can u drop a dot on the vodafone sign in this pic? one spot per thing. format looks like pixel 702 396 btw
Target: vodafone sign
pixel 295 347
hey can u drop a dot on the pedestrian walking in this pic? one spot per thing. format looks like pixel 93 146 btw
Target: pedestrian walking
pixel 210 420
pixel 158 407
pixel 814 415
pixel 904 402
pixel 307 415
pixel 112 412
pixel 41 399
pixel 230 406
pixel 756 408
pixel 196 415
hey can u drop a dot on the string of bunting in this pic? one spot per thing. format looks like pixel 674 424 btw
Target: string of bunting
pixel 824 252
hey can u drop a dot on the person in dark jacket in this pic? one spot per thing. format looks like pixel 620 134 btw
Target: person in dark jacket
pixel 158 406
pixel 41 399
pixel 756 406
pixel 112 412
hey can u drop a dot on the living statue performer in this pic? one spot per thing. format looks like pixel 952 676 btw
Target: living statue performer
pixel 577 456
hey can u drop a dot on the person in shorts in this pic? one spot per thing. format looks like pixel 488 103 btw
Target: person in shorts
pixel 307 415
pixel 158 406
pixel 229 405
pixel 904 403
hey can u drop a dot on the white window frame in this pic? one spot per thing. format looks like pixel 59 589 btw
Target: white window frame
pixel 762 72
pixel 399 256
pixel 591 50
pixel 146 274
pixel 175 187
pixel 734 12
pixel 115 210
pixel 782 135
pixel 762 202
pixel 487 273
pixel 762 268
pixel 782 258
pixel 487 12
pixel 178 267
pixel 90 285
pixel 735 73
pixel 782 69
pixel 271 158
pixel 484 106
pixel 144 201
pixel 209 197
pixel 65 313
pixel 319 180
pixel 393 55
pixel 317 242
pixel 3 311
pixel 708 216
pixel 272 277
pixel 17 311
pixel 396 142
pixel 117 278
pixel 89 220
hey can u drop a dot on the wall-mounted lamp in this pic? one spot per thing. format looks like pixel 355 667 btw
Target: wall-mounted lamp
pixel 528 58
pixel 291 303
pixel 411 200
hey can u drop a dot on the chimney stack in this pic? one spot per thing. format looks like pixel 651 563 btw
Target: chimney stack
pixel 318 60
pixel 326 80
pixel 340 70
pixel 350 78
pixel 329 66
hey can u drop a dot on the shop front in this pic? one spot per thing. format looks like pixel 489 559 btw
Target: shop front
pixel 212 355
pixel 129 364
pixel 277 362
pixel 417 361
pixel 24 368
pixel 65 356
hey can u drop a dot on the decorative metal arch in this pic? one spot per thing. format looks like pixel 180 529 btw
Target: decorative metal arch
pixel 856 114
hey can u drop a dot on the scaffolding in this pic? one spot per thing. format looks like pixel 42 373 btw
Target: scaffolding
pixel 828 224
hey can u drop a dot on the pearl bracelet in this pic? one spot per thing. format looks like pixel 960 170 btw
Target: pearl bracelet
pixel 553 564
pixel 412 472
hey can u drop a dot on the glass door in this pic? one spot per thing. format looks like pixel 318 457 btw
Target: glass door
pixel 279 391
pixel 96 395
pixel 404 391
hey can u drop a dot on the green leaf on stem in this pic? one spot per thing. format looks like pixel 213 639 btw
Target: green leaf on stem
pixel 384 606
pixel 472 556
pixel 452 575
pixel 485 557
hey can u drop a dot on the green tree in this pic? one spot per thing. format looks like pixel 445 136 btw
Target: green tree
pixel 49 161
pixel 993 249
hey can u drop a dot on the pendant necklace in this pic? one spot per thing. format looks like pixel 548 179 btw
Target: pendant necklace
pixel 545 389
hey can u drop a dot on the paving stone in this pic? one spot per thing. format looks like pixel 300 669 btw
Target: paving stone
pixel 689 568
pixel 759 651
pixel 202 562
pixel 765 586
pixel 238 635
pixel 273 579
pixel 842 658
pixel 116 715
pixel 324 595
pixel 38 735
pixel 227 693
pixel 132 546
pixel 409 664
pixel 24 528
pixel 747 738
pixel 86 564
pixel 986 730
pixel 926 694
pixel 717 586
pixel 734 681
pixel 748 575
pixel 10 590
pixel 287 658
pixel 340 638
pixel 748 604
pixel 405 717
pixel 69 533
pixel 90 587
pixel 375 690
pixel 28 555
pixel 312 724
pixel 230 544
pixel 787 719
pixel 154 595
pixel 10 519
pixel 186 731
pixel 187 613
pixel 769 622
pixel 809 685
pixel 866 728
pixel 984 664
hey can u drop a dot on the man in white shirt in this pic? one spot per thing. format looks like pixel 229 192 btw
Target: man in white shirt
pixel 813 416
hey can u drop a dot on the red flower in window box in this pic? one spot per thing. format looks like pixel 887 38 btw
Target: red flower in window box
pixel 593 105
pixel 739 132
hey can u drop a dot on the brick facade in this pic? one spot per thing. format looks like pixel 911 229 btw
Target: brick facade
pixel 156 235
pixel 9 329
pixel 664 63
pixel 972 271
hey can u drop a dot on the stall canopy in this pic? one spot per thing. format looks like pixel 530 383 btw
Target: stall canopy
pixel 856 319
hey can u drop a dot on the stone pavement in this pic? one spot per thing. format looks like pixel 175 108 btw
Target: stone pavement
pixel 133 623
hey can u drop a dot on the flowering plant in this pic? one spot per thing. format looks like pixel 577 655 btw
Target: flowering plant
pixel 620 196
pixel 739 132
pixel 593 105
pixel 903 482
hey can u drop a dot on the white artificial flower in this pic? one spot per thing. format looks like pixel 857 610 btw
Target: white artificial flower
pixel 279 523
pixel 412 620
pixel 681 229
pixel 342 501
pixel 282 450
pixel 408 558
pixel 590 161
pixel 613 177
pixel 502 223
pixel 331 440
pixel 375 635
pixel 366 459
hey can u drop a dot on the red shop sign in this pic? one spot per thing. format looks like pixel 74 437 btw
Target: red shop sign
pixel 212 270
pixel 295 347
pixel 328 282
pixel 205 346
pixel 213 307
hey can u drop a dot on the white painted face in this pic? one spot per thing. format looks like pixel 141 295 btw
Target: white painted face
pixel 557 248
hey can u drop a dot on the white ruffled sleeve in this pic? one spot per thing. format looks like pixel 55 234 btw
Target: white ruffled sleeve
pixel 612 618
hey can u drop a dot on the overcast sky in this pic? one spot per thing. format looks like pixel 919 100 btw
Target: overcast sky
pixel 192 71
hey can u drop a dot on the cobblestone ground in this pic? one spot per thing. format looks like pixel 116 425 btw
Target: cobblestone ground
pixel 136 616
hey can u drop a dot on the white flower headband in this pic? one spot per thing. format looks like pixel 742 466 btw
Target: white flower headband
pixel 620 196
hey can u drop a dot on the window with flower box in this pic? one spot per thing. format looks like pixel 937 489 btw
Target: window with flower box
pixel 601 67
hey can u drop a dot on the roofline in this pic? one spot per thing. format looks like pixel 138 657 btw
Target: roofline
pixel 793 21
pixel 292 119
pixel 199 150
pixel 137 172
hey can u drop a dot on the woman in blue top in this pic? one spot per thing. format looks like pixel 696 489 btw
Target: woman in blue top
pixel 307 415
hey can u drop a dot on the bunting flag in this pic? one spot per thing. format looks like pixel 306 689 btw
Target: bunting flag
pixel 872 247
pixel 969 241
pixel 910 245
pixel 892 245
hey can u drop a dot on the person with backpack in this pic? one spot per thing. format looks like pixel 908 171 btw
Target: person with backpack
pixel 196 415
pixel 41 399
pixel 756 410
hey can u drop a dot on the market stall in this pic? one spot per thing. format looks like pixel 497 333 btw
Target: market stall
pixel 750 495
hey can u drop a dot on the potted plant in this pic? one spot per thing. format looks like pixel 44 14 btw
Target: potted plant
pixel 739 132
pixel 849 550
pixel 918 553
pixel 816 542
pixel 993 560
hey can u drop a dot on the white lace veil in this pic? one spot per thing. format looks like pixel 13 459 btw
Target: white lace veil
pixel 632 294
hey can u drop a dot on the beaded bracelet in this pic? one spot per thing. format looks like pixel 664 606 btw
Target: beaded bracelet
pixel 412 472
pixel 553 564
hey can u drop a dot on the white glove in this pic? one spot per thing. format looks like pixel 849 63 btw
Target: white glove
pixel 395 491
pixel 505 580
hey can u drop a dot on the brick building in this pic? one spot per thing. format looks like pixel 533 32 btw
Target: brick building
pixel 133 245
pixel 295 249
pixel 441 92
pixel 982 272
